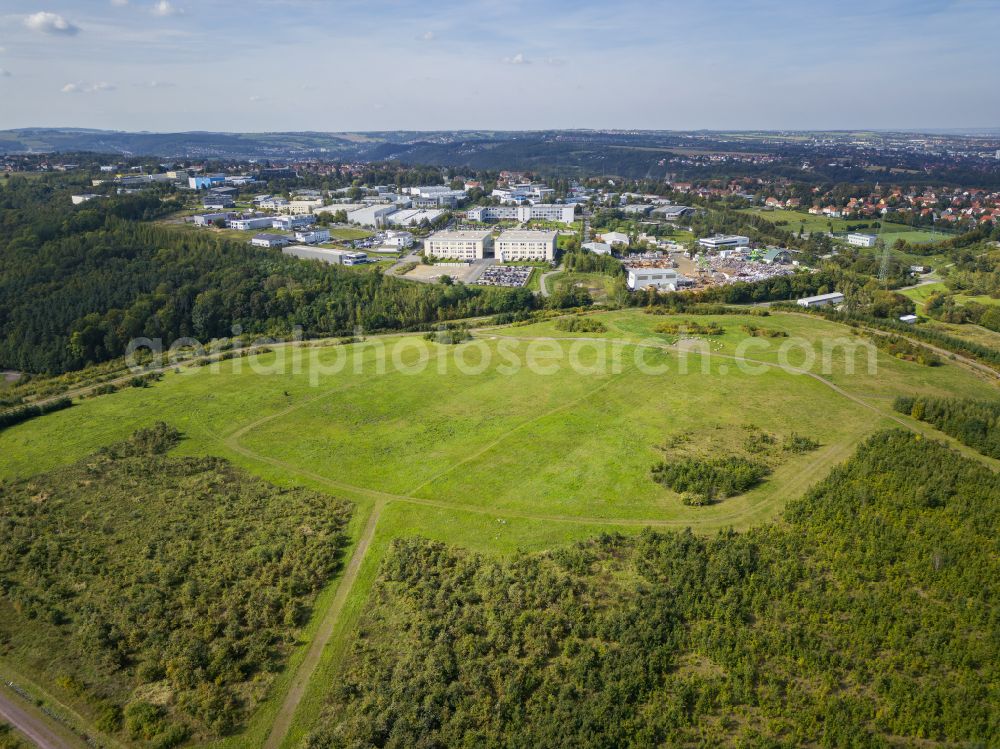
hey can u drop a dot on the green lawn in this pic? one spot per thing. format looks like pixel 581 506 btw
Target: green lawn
pixel 347 233
pixel 796 219
pixel 922 293
pixel 600 285
pixel 503 458
pixel 891 232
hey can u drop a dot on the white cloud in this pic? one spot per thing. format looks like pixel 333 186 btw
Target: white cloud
pixel 256 98
pixel 119 3
pixel 157 84
pixel 87 88
pixel 50 23
pixel 4 73
pixel 166 8
pixel 427 36
pixel 518 59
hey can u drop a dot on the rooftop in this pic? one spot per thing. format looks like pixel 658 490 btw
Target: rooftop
pixel 528 235
pixel 468 234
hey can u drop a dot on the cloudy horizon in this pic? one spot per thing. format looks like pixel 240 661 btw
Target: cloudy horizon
pixel 284 65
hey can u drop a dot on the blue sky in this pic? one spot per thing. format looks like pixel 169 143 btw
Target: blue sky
pixel 256 65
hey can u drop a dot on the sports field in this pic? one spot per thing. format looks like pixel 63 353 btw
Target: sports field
pixel 524 438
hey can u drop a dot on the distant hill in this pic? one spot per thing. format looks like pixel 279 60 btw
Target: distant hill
pixel 640 154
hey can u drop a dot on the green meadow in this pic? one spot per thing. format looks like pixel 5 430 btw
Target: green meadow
pixel 525 438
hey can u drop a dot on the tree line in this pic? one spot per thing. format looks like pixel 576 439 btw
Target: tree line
pixel 971 422
pixel 77 286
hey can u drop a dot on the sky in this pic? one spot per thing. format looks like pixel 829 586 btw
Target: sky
pixel 335 65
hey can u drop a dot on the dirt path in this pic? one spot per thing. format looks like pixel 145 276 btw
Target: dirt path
pixel 31 723
pixel 305 670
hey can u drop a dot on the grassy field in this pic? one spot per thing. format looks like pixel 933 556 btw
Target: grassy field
pixel 499 458
pixel 891 232
pixel 600 285
pixel 347 233
pixel 794 220
pixel 920 294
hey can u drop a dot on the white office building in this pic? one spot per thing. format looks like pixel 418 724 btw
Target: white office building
pixel 301 207
pixel 293 222
pixel 459 245
pixel 720 241
pixel 666 279
pixel 255 222
pixel 270 240
pixel 557 212
pixel 862 240
pixel 312 236
pixel 399 240
pixel 515 246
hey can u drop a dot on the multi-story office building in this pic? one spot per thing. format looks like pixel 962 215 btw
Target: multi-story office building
pixel 459 245
pixel 514 246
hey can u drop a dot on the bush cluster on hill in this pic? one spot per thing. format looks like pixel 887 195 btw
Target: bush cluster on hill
pixel 868 619
pixel 580 325
pixel 160 594
pixel 710 479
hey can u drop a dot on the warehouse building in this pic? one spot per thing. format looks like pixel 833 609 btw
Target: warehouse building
pixel 515 246
pixel 459 245
pixel 821 300
pixel 333 257
pixel 720 241
pixel 672 212
pixel 373 215
pixel 208 219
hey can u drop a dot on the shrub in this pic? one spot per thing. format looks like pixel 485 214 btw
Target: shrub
pixel 580 325
pixel 712 479
pixel 797 443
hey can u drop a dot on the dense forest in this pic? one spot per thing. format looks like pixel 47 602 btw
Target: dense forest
pixel 973 423
pixel 866 619
pixel 134 583
pixel 76 285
